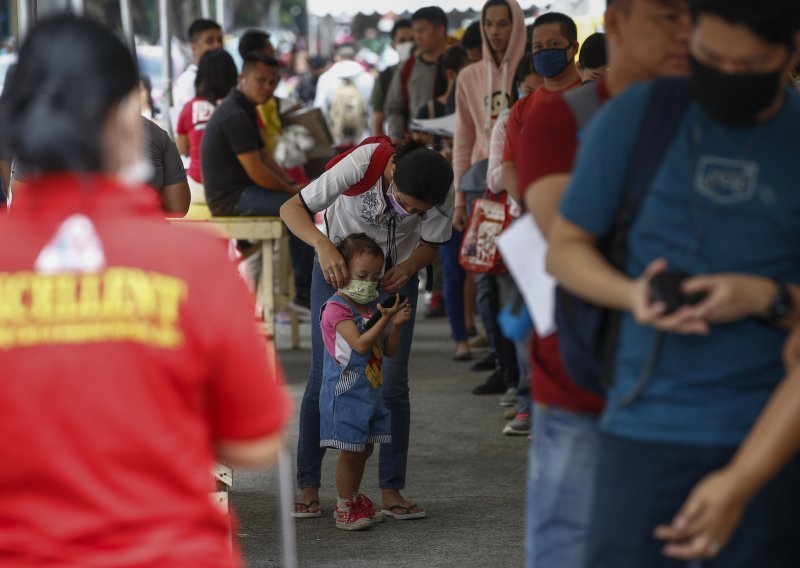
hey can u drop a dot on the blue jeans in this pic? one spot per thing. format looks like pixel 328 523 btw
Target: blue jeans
pixel 643 484
pixel 255 201
pixel 394 456
pixel 508 293
pixel 454 279
pixel 563 460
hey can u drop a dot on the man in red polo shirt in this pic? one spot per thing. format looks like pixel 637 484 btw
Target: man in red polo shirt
pixel 645 38
pixel 554 39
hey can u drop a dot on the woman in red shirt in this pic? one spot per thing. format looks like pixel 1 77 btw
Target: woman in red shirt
pixel 129 355
pixel 216 76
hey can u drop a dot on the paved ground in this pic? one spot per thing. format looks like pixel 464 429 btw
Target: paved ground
pixel 468 476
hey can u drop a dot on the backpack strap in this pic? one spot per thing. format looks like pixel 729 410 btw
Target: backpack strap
pixel 669 101
pixel 405 77
pixel 584 103
pixel 377 163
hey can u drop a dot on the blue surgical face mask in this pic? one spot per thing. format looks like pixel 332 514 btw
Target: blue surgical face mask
pixel 550 63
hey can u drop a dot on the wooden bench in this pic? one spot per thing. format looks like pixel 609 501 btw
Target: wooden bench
pixel 275 288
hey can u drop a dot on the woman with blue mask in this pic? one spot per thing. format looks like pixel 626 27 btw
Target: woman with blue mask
pixel 408 210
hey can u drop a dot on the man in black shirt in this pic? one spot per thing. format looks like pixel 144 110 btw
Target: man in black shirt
pixel 239 176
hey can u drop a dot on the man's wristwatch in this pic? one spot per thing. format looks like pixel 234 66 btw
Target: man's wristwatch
pixel 781 305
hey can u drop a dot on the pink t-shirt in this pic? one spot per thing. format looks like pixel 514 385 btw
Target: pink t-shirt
pixel 337 346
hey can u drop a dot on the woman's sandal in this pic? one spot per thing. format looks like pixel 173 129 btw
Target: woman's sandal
pixel 405 516
pixel 304 511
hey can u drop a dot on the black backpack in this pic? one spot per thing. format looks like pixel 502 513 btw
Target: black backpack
pixel 587 334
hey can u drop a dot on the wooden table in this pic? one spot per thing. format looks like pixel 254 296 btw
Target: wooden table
pixel 274 287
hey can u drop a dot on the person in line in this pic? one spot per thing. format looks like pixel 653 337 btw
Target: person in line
pixel 454 276
pixel 554 44
pixel 413 83
pixel 722 209
pixel 204 35
pixel 343 94
pixel 353 416
pixel 519 418
pixel 135 355
pixel 403 43
pixel 240 178
pixel 216 77
pixel 483 91
pixel 592 61
pixel 168 176
pixel 645 39
pixel 472 41
pixel 408 211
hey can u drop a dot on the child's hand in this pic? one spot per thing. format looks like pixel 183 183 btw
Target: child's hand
pixel 403 315
pixel 389 313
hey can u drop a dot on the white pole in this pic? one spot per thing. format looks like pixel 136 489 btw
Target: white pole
pixel 23 18
pixel 205 8
pixel 166 45
pixel 220 7
pixel 78 7
pixel 127 22
pixel 286 497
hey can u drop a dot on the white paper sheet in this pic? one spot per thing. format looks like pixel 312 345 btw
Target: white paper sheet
pixel 524 250
pixel 444 126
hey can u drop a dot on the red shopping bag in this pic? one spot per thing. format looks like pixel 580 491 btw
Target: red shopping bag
pixel 479 252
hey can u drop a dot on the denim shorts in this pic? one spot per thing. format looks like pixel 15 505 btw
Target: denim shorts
pixel 352 413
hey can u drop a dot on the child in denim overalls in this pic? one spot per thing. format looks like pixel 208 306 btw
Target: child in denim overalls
pixel 352 414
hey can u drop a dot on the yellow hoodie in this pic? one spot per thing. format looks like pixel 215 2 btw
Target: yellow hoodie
pixel 483 91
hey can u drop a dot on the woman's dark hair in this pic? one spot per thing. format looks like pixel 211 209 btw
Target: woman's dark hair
pixel 472 36
pixel 524 68
pixel 70 74
pixel 357 244
pixel 422 173
pixel 148 87
pixel 400 25
pixel 253 40
pixel 774 21
pixel 216 75
pixel 454 59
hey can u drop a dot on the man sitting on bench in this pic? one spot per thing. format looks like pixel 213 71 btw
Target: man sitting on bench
pixel 240 177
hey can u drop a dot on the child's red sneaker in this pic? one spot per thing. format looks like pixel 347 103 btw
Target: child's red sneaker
pixel 355 518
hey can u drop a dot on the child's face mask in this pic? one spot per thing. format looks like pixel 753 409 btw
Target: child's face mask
pixel 362 291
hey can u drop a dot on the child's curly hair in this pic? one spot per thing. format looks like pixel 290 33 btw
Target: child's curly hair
pixel 357 244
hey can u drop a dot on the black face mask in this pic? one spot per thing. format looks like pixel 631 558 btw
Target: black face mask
pixel 733 99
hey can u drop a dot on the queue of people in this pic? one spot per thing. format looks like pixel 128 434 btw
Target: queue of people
pixel 653 159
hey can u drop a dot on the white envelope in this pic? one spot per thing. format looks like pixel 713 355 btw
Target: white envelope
pixel 524 250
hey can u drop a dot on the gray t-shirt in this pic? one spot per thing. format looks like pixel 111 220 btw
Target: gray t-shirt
pixel 420 91
pixel 163 155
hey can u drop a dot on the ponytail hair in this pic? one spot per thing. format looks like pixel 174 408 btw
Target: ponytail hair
pixel 70 74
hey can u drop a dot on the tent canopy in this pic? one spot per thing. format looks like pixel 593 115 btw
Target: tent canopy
pixel 322 8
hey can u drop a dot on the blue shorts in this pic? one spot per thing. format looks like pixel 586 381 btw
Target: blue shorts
pixel 352 413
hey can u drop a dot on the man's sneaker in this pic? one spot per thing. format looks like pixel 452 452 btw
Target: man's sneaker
pixel 302 306
pixel 520 426
pixel 355 518
pixel 509 399
pixel 366 505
